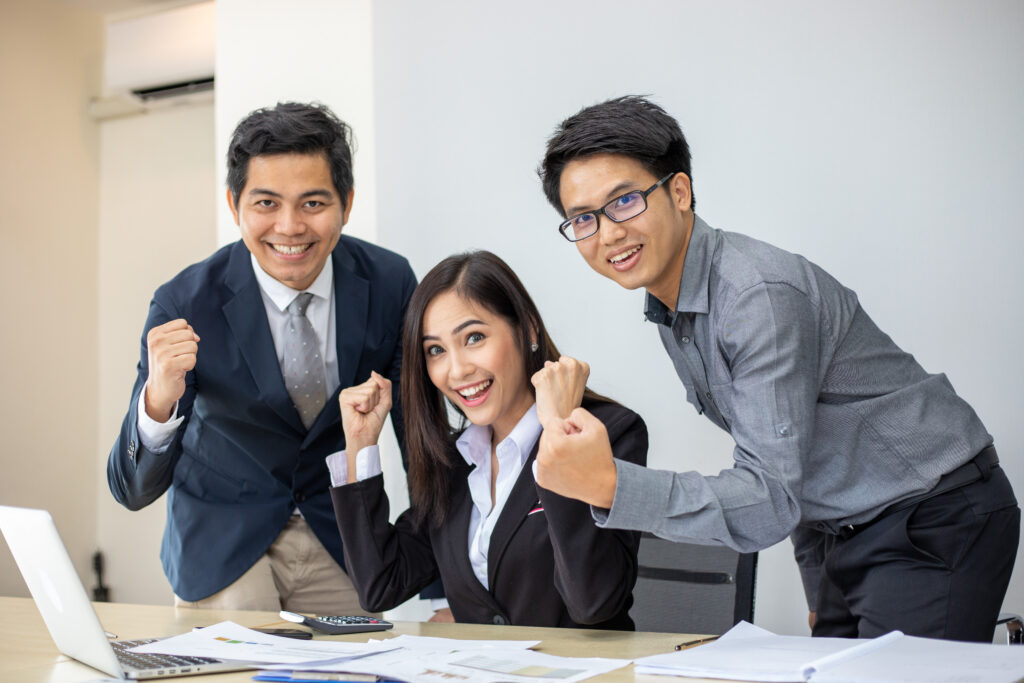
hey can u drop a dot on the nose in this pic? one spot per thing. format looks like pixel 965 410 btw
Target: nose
pixel 608 231
pixel 460 366
pixel 290 222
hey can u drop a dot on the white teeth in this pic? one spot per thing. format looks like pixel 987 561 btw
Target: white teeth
pixel 290 250
pixel 470 392
pixel 624 255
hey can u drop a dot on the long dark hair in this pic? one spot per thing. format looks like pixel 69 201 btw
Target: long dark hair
pixel 483 278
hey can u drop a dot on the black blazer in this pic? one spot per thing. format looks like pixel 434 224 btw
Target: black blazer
pixel 242 460
pixel 548 563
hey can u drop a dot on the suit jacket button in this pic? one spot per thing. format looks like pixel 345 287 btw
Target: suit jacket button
pixel 300 498
pixel 499 620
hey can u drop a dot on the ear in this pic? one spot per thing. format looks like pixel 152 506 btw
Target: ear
pixel 679 189
pixel 231 205
pixel 348 206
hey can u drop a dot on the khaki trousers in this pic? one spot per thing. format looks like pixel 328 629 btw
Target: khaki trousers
pixel 296 573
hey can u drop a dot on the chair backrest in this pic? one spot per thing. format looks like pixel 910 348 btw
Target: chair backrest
pixel 687 588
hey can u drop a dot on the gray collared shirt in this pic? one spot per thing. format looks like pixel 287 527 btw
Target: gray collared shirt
pixel 832 421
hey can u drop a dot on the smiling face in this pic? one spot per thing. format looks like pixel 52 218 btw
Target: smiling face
pixel 647 250
pixel 473 357
pixel 290 215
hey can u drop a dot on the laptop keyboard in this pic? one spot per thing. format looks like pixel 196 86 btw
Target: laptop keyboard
pixel 140 661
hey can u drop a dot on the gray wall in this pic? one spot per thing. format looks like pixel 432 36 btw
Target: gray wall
pixel 881 140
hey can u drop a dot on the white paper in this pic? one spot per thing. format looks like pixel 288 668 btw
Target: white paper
pixel 911 659
pixel 747 653
pixel 483 666
pixel 477 665
pixel 453 644
pixel 228 640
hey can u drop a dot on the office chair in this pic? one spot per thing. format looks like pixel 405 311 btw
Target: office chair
pixel 1014 628
pixel 687 588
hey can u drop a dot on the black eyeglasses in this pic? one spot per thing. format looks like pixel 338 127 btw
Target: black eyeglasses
pixel 622 208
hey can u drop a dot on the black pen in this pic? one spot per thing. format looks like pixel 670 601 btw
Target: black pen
pixel 699 641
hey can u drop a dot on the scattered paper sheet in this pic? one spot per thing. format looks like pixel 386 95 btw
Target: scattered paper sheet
pixel 452 644
pixel 749 653
pixel 228 640
pixel 479 665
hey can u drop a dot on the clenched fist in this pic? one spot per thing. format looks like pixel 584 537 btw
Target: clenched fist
pixel 172 353
pixel 364 408
pixel 575 459
pixel 559 388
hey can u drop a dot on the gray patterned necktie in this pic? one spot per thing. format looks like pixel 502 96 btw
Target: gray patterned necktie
pixel 303 369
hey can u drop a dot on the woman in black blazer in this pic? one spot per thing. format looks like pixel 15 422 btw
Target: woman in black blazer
pixel 506 550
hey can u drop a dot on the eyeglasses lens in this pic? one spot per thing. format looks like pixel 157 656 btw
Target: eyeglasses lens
pixel 625 207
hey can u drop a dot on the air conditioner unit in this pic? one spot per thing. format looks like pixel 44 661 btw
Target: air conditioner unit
pixel 158 59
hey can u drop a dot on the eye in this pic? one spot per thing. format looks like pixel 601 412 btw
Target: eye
pixel 627 200
pixel 314 204
pixel 433 350
pixel 583 220
pixel 265 203
pixel 474 338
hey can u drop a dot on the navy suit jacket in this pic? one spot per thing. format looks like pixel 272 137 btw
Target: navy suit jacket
pixel 242 460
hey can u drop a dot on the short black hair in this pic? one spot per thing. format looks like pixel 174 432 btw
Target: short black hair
pixel 292 127
pixel 630 126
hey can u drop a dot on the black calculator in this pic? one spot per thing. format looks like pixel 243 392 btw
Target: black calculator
pixel 337 626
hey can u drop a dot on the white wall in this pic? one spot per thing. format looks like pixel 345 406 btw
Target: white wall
pixel 50 56
pixel 157 215
pixel 882 140
pixel 879 139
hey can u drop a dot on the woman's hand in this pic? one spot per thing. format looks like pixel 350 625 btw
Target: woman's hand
pixel 364 408
pixel 559 388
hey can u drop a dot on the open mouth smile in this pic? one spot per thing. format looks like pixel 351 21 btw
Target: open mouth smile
pixel 625 260
pixel 475 394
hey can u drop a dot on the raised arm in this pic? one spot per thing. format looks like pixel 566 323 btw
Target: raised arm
pixel 137 475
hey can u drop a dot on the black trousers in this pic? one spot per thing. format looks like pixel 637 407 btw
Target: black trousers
pixel 937 569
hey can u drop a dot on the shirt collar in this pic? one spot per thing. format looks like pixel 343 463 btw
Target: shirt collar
pixel 474 444
pixel 693 285
pixel 282 295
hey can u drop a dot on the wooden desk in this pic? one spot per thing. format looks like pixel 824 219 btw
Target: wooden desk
pixel 28 655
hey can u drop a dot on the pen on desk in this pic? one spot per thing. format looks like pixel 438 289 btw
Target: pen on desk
pixel 698 641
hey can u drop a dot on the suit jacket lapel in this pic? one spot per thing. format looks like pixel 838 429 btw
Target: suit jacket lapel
pixel 351 305
pixel 458 536
pixel 521 500
pixel 246 315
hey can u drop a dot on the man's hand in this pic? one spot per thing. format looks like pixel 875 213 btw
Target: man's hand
pixel 172 353
pixel 575 460
pixel 443 615
pixel 811 618
pixel 559 388
pixel 364 408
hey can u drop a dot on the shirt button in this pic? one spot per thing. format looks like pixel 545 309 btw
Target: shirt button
pixel 499 620
pixel 783 431
pixel 685 340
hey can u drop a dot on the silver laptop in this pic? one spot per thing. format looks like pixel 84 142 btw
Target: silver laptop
pixel 69 616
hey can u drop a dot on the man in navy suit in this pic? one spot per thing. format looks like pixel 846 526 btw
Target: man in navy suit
pixel 211 422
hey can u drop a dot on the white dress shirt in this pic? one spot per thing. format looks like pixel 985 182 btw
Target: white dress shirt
pixel 157 436
pixel 475 447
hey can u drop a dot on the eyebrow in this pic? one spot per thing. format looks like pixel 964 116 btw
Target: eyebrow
pixel 611 194
pixel 458 328
pixel 305 195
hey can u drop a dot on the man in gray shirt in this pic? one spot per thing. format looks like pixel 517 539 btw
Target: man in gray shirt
pixel 885 479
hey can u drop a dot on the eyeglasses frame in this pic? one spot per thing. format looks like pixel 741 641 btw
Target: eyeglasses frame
pixel 601 212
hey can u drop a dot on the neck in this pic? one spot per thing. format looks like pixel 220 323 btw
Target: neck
pixel 666 290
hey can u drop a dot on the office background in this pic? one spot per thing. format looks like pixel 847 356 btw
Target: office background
pixel 880 139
